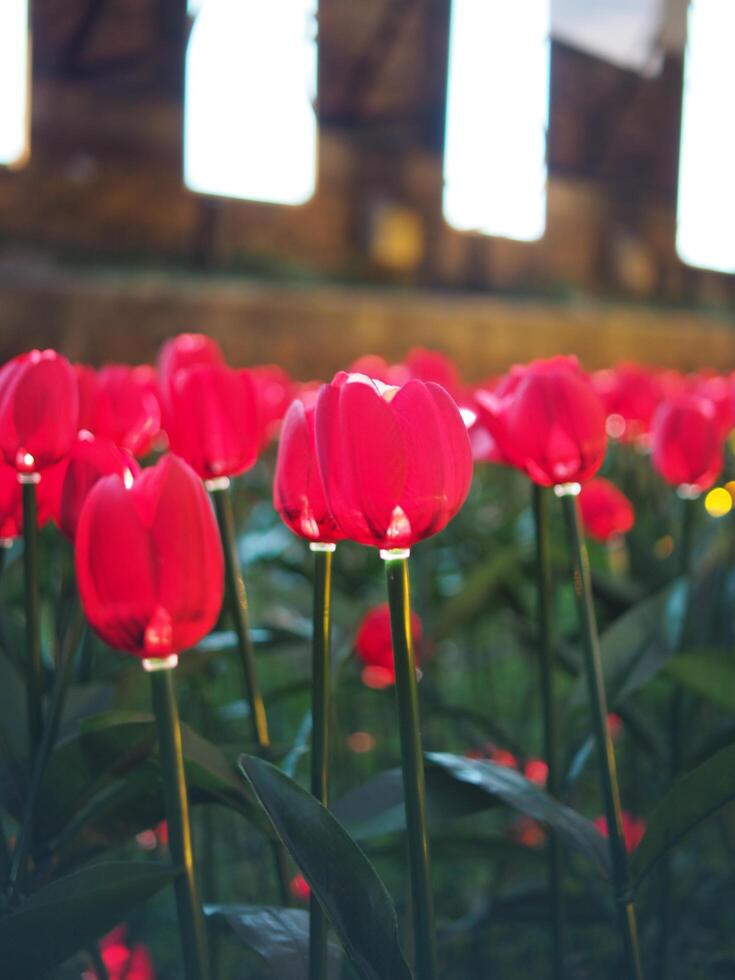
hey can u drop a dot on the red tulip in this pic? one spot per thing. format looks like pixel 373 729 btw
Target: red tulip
pixel 70 481
pixel 501 757
pixel 536 771
pixel 299 888
pixel 606 511
pixel 547 420
pixel 631 394
pixel 11 504
pixel 687 442
pixel 122 961
pixel 633 829
pixel 39 410
pixel 149 560
pixel 719 392
pixel 187 350
pixel 125 409
pixel 374 646
pixel 298 494
pixel 375 366
pixel 431 365
pixel 213 422
pixel 275 392
pixel 395 463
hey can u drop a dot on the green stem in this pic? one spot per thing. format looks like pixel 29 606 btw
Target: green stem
pixel 422 902
pixel 241 620
pixel 34 684
pixel 622 882
pixel 320 711
pixel 688 513
pixel 98 963
pixel 551 732
pixel 48 740
pixel 189 906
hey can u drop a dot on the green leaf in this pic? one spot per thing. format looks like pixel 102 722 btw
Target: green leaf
pixel 341 877
pixel 376 807
pixel 103 786
pixel 692 798
pixel 637 645
pixel 71 912
pixel 500 782
pixel 708 674
pixel 279 937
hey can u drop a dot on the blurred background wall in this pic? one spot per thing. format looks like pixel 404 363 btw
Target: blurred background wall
pixel 104 251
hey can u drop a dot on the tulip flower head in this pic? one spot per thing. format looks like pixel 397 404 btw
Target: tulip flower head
pixel 71 480
pixel 187 350
pixel 213 420
pixel 687 443
pixel 606 511
pixel 548 421
pixel 39 411
pixel 395 463
pixel 122 960
pixel 298 494
pixel 125 408
pixel 274 391
pixel 149 561
pixel 374 646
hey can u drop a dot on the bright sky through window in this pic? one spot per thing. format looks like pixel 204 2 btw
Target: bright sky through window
pixel 13 80
pixel 250 130
pixel 705 234
pixel 497 113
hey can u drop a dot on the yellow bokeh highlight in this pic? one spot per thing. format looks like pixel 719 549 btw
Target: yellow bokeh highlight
pixel 718 502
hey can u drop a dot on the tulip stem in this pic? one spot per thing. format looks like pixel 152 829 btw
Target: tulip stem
pixel 622 882
pixel 239 610
pixel 64 670
pixel 422 902
pixel 320 710
pixel 34 685
pixel 189 906
pixel 551 732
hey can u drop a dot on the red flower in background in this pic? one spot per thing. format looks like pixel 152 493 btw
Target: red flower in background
pixel 687 442
pixel 125 407
pixel 633 829
pixel 299 888
pixel 149 560
pixel 213 420
pixel 187 350
pixel 375 366
pixel 39 410
pixel 274 391
pixel 720 393
pixel 631 394
pixel 298 494
pixel 548 421
pixel 395 463
pixel 374 646
pixel 68 484
pixel 606 511
pixel 123 962
pixel 431 365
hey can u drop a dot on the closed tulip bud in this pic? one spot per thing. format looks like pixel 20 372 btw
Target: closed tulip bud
pixel 213 422
pixel 633 829
pixel 11 504
pixel 548 421
pixel 687 443
pixel 432 365
pixel 606 511
pixel 374 646
pixel 70 481
pixel 396 463
pixel 126 409
pixel 149 560
pixel 298 494
pixel 39 410
pixel 187 350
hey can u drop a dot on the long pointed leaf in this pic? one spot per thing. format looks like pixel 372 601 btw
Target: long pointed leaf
pixel 345 883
